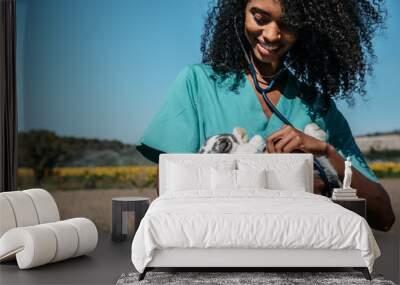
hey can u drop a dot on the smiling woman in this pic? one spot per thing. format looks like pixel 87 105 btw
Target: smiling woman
pixel 328 46
pixel 267 35
pixel 333 51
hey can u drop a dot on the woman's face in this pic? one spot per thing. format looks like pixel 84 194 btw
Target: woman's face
pixel 268 37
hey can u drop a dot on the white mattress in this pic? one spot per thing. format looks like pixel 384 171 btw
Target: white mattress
pixel 253 218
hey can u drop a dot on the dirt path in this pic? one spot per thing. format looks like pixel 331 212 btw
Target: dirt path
pixel 96 204
pixel 392 186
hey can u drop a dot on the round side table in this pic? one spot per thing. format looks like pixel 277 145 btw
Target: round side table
pixel 121 206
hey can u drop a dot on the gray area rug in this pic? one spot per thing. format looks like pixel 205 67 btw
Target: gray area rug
pixel 231 278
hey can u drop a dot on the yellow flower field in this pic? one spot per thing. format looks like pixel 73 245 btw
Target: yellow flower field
pixel 385 166
pixel 106 171
pixel 132 176
pixel 94 177
pixel 386 169
pixel 123 172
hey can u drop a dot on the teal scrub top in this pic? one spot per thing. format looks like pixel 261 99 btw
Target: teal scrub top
pixel 197 107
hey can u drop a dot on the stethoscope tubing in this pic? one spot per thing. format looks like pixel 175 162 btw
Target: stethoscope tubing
pixel 272 107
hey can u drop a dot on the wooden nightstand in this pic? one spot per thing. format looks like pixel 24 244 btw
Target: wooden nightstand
pixel 357 205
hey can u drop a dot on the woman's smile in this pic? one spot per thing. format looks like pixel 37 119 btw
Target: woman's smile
pixel 267 35
pixel 268 49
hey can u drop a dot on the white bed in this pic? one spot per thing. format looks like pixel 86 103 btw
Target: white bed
pixel 193 224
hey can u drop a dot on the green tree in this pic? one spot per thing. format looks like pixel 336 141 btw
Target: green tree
pixel 40 150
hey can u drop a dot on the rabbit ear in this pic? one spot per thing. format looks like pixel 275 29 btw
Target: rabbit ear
pixel 241 135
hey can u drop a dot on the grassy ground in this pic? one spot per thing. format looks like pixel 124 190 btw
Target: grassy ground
pixel 96 204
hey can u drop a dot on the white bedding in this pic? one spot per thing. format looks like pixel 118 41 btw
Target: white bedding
pixel 251 218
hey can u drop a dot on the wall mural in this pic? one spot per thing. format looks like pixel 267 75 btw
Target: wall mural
pixel 95 80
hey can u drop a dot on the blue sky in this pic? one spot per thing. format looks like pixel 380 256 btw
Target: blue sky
pixel 101 69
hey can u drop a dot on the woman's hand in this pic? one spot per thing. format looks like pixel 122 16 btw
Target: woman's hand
pixel 288 139
pixel 380 214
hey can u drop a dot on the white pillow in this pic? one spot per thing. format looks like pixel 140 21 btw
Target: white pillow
pixel 223 179
pixel 282 174
pixel 236 179
pixel 293 180
pixel 251 178
pixel 186 175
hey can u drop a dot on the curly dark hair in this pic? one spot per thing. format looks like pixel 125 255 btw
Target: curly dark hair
pixel 333 51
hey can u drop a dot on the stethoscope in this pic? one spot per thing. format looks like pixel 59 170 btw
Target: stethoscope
pixel 272 107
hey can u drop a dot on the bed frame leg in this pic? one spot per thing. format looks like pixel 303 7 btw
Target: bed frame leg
pixel 143 274
pixel 364 271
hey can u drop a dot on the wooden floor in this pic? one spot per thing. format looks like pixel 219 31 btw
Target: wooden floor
pixel 103 266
